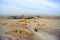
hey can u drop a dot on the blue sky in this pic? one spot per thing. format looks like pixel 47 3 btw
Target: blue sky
pixel 30 7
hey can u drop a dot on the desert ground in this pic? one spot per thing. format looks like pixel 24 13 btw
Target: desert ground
pixel 30 29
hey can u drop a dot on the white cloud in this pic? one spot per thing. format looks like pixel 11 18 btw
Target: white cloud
pixel 34 3
pixel 42 6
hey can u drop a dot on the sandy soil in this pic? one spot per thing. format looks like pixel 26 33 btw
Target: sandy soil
pixel 38 29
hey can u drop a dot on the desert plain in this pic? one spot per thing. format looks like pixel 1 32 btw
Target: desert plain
pixel 30 29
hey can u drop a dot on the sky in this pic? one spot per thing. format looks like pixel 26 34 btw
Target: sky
pixel 30 7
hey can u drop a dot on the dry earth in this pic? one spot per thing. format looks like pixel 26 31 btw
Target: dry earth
pixel 30 29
